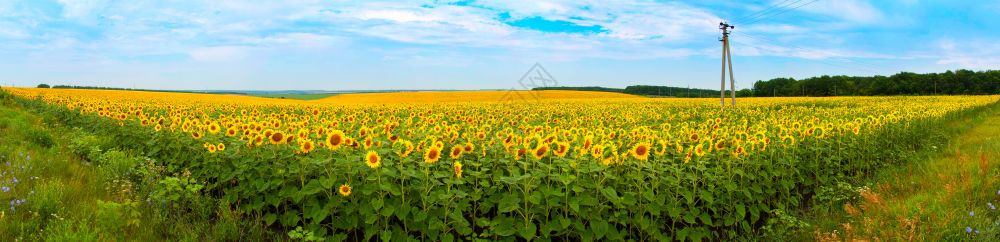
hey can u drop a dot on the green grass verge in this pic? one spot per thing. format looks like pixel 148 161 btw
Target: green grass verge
pixel 52 192
pixel 949 195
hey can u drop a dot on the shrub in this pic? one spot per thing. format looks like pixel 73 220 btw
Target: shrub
pixel 39 137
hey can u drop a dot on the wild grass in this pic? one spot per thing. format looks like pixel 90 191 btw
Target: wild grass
pixel 50 193
pixel 944 197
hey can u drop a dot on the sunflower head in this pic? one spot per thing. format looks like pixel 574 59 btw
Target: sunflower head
pixel 213 128
pixel 432 155
pixel 373 160
pixel 456 152
pixel 221 146
pixel 540 151
pixel 640 151
pixel 597 151
pixel 277 138
pixel 561 149
pixel 306 146
pixel 699 150
pixel 344 190
pixel 334 139
pixel 458 169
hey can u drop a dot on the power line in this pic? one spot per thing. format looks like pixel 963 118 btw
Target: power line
pixel 779 13
pixel 768 9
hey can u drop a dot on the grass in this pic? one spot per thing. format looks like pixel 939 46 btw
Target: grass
pixel 299 96
pixel 933 199
pixel 52 193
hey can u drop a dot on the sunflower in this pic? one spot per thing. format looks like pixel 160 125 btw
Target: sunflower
pixel 788 140
pixel 608 161
pixel 231 132
pixel 520 153
pixel 363 131
pixel 214 128
pixel 221 146
pixel 258 139
pixel 597 151
pixel 306 146
pixel 158 128
pixel 739 150
pixel 694 137
pixel 469 147
pixel 458 169
pixel 456 152
pixel 277 138
pixel 721 144
pixel 687 158
pixel 344 190
pixel 196 135
pixel 373 160
pixel 587 141
pixel 663 148
pixel 211 148
pixel 432 155
pixel 368 142
pixel 335 139
pixel 561 149
pixel 540 151
pixel 699 150
pixel 405 147
pixel 640 151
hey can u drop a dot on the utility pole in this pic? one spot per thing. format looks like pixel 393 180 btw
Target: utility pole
pixel 726 57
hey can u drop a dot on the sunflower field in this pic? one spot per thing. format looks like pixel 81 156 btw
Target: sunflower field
pixel 564 166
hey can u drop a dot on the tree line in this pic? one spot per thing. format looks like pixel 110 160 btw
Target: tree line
pixel 959 82
pixel 645 90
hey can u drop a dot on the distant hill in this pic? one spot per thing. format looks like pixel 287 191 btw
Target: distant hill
pixel 645 90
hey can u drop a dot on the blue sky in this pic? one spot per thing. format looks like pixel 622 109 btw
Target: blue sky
pixel 350 45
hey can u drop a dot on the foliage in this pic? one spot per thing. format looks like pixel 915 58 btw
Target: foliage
pixel 605 169
pixel 959 82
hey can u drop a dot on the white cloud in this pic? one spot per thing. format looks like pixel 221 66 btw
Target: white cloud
pixel 970 54
pixel 81 8
pixel 856 11
pixel 219 53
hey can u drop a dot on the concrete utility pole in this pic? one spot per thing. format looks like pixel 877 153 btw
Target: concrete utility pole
pixel 727 56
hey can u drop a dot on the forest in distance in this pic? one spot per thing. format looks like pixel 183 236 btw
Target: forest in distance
pixel 958 82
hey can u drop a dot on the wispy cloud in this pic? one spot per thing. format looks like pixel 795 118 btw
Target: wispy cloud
pixel 970 54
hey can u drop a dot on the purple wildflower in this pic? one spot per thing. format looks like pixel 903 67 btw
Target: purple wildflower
pixel 968 229
pixel 5 189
